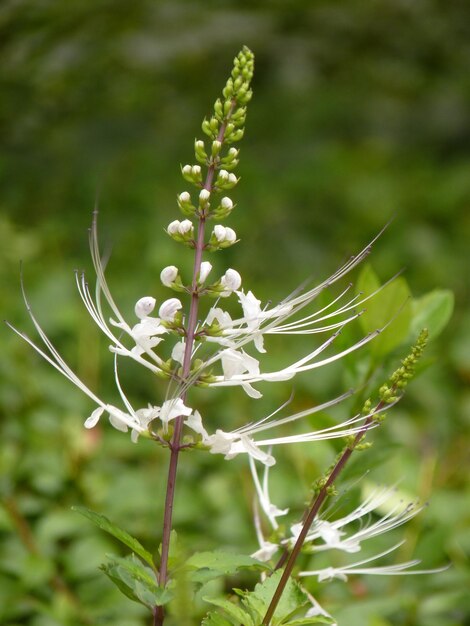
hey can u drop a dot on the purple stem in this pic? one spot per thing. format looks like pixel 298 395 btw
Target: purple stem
pixel 310 517
pixel 175 446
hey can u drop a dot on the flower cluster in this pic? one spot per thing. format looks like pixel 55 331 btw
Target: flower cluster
pixel 226 346
pixel 345 534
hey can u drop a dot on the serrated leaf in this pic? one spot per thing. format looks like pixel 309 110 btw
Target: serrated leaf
pixel 238 613
pixel 121 535
pixel 292 599
pixel 432 311
pixel 121 585
pixel 390 306
pixel 215 619
pixel 139 579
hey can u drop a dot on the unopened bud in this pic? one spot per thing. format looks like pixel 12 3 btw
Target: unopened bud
pixel 231 280
pixel 144 307
pixel 204 271
pixel 169 308
pixel 168 275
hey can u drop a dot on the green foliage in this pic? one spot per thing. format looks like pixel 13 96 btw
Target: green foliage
pixel 432 311
pixel 205 566
pixel 253 606
pixel 389 311
pixel 121 535
pixel 137 582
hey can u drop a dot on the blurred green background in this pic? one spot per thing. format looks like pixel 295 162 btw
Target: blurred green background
pixel 360 115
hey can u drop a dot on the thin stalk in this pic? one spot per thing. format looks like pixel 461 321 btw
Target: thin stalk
pixel 175 445
pixel 290 559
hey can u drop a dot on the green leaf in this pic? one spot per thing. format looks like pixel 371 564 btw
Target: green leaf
pixel 205 566
pixel 139 580
pixel 390 306
pixel 432 311
pixel 121 535
pixel 121 585
pixel 292 599
pixel 215 619
pixel 239 614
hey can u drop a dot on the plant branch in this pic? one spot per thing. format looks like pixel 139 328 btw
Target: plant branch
pixel 175 445
pixel 311 513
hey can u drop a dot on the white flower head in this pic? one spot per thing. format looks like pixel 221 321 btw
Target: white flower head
pixel 266 552
pixel 172 409
pixel 226 203
pixel 144 307
pixel 204 271
pixel 177 354
pixel 185 226
pixel 219 232
pixel 169 308
pixel 168 275
pixel 204 195
pixel 173 227
pixel 231 281
pixel 184 197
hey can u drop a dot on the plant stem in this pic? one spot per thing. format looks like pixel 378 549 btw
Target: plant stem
pixel 175 446
pixel 290 560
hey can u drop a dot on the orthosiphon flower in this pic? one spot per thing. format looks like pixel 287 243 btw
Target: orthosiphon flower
pixel 169 308
pixel 180 228
pixel 144 306
pixel 224 234
pixel 226 203
pixel 333 537
pixel 230 281
pixel 168 275
pixel 329 534
pixel 205 270
pixel 399 569
pixel 230 338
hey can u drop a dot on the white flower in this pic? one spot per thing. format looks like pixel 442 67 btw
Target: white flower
pixel 232 444
pixel 231 281
pixel 146 336
pixel 204 195
pixel 172 409
pixel 184 197
pixel 173 227
pixel 266 552
pixel 180 228
pixel 399 569
pixel 222 317
pixel 236 362
pixel 169 308
pixel 185 226
pixel 270 510
pixel 204 271
pixel 177 354
pixel 224 234
pixel 226 203
pixel 168 275
pixel 144 307
pixel 219 232
pixel 194 421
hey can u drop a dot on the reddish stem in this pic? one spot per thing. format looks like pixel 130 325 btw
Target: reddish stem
pixel 175 446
